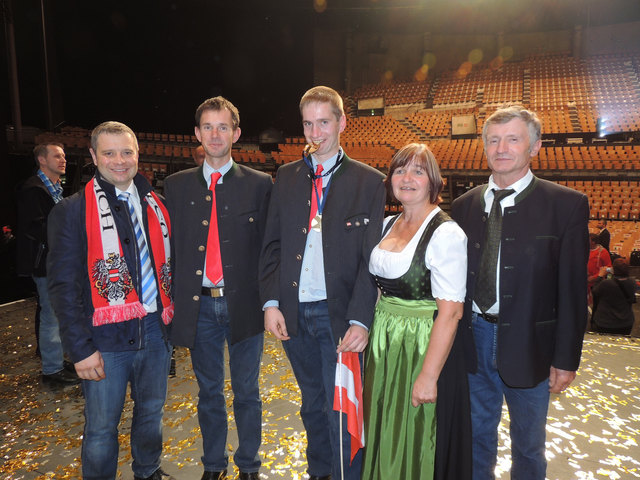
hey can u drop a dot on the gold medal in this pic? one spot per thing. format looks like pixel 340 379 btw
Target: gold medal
pixel 316 223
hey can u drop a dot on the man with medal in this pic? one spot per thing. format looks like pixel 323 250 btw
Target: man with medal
pixel 325 217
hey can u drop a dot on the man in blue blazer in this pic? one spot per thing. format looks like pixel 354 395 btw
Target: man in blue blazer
pixel 527 340
pixel 108 272
pixel 220 228
pixel 325 217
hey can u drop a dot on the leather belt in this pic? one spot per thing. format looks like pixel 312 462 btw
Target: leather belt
pixel 488 317
pixel 213 292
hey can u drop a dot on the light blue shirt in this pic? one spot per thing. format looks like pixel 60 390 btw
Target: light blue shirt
pixel 207 170
pixel 134 198
pixel 312 285
pixel 508 201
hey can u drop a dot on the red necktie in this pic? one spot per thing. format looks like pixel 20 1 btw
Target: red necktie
pixel 214 263
pixel 316 194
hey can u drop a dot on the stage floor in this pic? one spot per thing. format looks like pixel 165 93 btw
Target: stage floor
pixel 593 429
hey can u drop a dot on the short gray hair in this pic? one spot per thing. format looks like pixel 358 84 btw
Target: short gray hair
pixel 508 113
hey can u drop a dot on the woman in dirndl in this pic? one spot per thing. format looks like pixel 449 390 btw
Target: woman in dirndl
pixel 416 398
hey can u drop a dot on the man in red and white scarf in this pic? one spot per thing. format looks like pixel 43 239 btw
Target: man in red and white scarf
pixel 109 281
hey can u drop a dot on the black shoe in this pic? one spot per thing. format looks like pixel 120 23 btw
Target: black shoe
pixel 69 366
pixel 249 476
pixel 315 477
pixel 62 378
pixel 157 475
pixel 214 475
pixel 172 366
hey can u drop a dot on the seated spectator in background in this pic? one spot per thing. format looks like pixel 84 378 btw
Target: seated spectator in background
pixel 604 237
pixel 598 258
pixel 198 155
pixel 612 300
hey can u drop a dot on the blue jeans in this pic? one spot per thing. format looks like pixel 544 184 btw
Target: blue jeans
pixel 313 357
pixel 527 411
pixel 147 370
pixel 207 357
pixel 49 334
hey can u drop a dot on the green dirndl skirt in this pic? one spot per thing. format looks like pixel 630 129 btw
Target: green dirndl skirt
pixel 399 438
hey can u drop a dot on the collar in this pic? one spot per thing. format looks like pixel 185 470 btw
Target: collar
pixel 132 191
pixel 207 170
pixel 139 183
pixel 519 186
pixel 54 189
pixel 329 163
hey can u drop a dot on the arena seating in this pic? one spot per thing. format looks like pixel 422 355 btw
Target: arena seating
pixel 569 94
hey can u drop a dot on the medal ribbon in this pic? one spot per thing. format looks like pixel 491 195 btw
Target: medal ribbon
pixel 318 199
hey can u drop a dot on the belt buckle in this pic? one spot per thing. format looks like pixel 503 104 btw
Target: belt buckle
pixel 217 292
pixel 490 318
pixel 213 292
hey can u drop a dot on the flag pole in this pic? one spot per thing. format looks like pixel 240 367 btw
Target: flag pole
pixel 340 414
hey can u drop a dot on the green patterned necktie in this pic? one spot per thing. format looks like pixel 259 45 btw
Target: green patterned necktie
pixel 485 292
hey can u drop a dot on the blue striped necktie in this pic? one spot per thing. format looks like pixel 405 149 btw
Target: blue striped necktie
pixel 149 289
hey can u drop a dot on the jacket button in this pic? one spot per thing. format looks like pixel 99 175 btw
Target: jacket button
pixel 196 298
pixel 208 198
pixel 250 219
pixel 294 284
pixel 205 222
pixel 201 248
pixel 298 257
pixel 304 230
pixel 198 272
pixel 132 341
pixel 127 241
pixel 476 245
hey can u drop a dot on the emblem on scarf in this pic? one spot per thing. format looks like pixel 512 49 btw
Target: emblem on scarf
pixel 165 277
pixel 111 277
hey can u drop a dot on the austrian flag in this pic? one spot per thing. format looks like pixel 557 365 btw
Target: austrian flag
pixel 348 397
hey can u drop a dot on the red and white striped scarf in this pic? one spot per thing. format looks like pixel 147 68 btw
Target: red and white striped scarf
pixel 113 294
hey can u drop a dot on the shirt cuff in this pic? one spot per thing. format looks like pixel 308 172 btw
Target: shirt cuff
pixel 355 322
pixel 271 303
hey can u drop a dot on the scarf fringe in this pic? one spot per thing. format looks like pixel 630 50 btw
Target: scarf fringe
pixel 167 314
pixel 118 313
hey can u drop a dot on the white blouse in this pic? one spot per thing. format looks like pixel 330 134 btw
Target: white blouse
pixel 446 257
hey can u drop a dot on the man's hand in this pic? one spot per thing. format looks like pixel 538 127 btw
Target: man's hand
pixel 559 380
pixel 355 340
pixel 91 368
pixel 274 323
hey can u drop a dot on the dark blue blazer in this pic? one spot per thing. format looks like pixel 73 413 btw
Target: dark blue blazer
pixel 543 279
pixel 68 278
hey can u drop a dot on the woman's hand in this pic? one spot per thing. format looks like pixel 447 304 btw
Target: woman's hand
pixel 425 390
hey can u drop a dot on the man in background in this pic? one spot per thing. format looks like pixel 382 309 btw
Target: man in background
pixel 36 198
